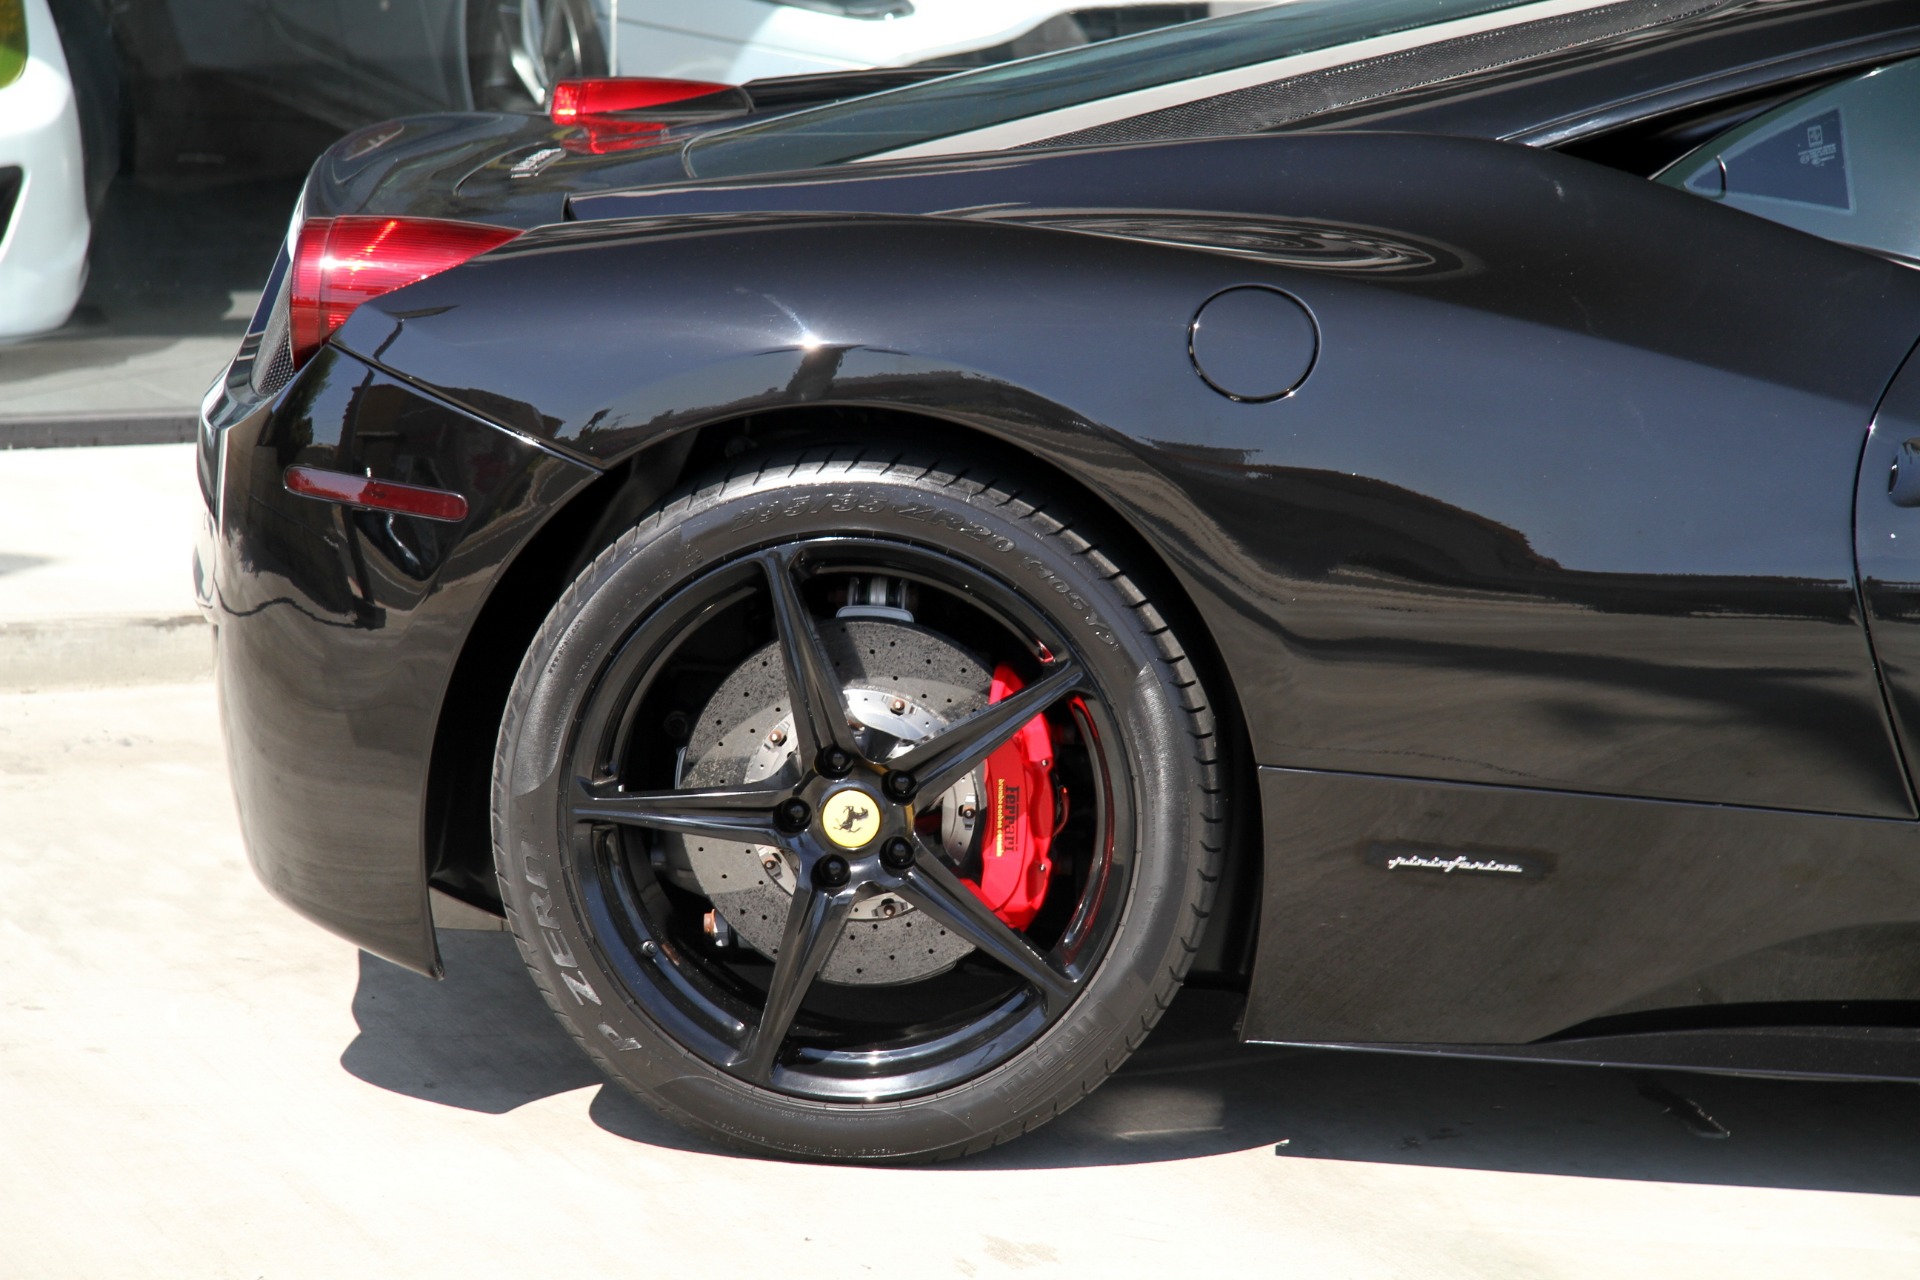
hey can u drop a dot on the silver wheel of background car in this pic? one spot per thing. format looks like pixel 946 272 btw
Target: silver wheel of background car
pixel 517 49
pixel 856 807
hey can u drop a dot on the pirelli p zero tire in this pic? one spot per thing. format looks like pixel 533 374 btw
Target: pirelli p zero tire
pixel 771 765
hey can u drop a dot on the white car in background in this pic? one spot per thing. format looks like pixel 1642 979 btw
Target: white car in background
pixel 43 201
pixel 734 41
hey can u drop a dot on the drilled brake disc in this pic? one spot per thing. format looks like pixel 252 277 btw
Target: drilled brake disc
pixel 903 684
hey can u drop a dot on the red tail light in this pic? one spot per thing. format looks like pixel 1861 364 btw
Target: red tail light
pixel 577 100
pixel 339 263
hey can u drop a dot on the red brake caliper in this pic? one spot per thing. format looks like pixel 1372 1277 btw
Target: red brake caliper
pixel 1018 806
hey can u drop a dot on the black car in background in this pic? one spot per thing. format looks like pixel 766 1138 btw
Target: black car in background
pixel 182 89
pixel 1404 508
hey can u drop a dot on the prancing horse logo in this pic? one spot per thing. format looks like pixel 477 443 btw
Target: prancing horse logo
pixel 851 818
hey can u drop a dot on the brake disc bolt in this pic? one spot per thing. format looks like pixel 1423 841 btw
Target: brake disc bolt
pixel 897 853
pixel 900 785
pixel 771 866
pixel 966 813
pixel 898 706
pixel 832 871
pixel 777 738
pixel 793 815
pixel 889 908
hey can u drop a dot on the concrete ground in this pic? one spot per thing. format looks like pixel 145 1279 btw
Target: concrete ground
pixel 96 577
pixel 195 1082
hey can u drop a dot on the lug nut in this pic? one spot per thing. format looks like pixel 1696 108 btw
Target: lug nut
pixel 793 815
pixel 897 853
pixel 831 871
pixel 834 762
pixel 900 785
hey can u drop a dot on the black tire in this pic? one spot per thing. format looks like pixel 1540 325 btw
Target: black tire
pixel 516 49
pixel 86 39
pixel 576 888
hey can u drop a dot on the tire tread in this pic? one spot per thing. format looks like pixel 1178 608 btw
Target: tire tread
pixel 1009 499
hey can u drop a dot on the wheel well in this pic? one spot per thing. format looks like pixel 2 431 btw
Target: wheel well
pixel 457 835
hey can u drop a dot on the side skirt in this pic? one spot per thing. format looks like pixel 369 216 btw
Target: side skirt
pixel 1784 1053
pixel 1433 916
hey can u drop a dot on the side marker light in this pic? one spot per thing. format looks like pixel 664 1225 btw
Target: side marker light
pixel 376 495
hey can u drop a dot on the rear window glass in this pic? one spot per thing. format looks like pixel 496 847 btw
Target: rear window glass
pixel 1842 162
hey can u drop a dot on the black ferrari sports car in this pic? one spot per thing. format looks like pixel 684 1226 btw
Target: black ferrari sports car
pixel 1394 505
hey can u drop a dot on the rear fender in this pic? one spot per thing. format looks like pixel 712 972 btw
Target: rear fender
pixel 1569 442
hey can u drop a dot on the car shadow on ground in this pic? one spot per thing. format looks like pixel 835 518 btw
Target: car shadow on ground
pixel 483 1040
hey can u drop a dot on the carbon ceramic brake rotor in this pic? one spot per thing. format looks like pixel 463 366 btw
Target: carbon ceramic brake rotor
pixel 903 684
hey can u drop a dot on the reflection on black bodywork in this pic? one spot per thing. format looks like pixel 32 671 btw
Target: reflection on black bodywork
pixel 394 596
pixel 1288 242
pixel 1405 620
pixel 1564 503
pixel 1887 534
pixel 1690 905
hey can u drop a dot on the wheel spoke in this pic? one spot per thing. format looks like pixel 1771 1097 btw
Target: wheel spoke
pixel 719 813
pixel 814 922
pixel 819 710
pixel 936 890
pixel 944 760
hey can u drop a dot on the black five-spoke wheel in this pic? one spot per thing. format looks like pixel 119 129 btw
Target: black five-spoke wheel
pixel 833 831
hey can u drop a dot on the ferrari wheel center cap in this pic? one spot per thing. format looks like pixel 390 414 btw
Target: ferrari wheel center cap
pixel 850 818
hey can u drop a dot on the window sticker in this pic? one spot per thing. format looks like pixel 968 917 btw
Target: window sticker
pixel 1805 162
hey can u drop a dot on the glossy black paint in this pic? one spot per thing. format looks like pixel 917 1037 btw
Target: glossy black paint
pixel 1887 528
pixel 1814 1049
pixel 1594 536
pixel 336 629
pixel 1637 905
pixel 1551 559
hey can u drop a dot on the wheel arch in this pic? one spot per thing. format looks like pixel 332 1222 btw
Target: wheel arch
pixel 455 830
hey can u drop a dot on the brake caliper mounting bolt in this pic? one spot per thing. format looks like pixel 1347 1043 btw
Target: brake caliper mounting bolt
pixel 793 815
pixel 834 762
pixel 831 871
pixel 900 785
pixel 897 854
